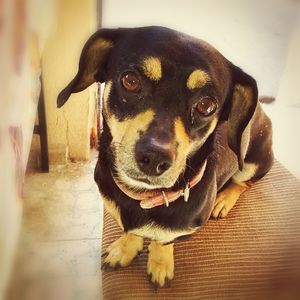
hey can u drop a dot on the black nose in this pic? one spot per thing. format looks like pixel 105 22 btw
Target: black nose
pixel 154 158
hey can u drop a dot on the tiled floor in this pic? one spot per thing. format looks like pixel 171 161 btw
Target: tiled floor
pixel 59 251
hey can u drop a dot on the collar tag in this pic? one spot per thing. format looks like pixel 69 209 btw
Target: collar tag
pixel 186 193
pixel 165 198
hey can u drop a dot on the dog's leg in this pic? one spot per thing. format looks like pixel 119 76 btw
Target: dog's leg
pixel 123 251
pixel 227 198
pixel 240 182
pixel 160 267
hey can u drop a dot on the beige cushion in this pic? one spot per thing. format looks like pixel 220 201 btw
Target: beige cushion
pixel 252 254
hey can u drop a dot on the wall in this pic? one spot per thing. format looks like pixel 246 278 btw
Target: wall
pixel 285 111
pixel 253 34
pixel 68 131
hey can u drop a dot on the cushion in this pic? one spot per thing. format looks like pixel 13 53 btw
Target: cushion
pixel 251 254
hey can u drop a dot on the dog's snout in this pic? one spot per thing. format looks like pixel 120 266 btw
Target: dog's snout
pixel 154 158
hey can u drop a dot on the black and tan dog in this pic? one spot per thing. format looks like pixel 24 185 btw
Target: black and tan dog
pixel 183 136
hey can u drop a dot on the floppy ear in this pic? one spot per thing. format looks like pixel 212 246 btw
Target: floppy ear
pixel 92 63
pixel 243 103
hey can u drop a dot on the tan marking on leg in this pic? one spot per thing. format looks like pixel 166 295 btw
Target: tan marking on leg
pixel 197 79
pixel 160 266
pixel 123 251
pixel 152 68
pixel 113 210
pixel 249 170
pixel 227 199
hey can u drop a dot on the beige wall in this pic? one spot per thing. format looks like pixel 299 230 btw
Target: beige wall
pixel 68 132
pixel 285 111
pixel 253 34
pixel 288 93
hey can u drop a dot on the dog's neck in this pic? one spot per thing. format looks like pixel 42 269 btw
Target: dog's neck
pixel 150 199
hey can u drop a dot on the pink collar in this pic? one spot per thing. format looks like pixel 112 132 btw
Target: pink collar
pixel 150 199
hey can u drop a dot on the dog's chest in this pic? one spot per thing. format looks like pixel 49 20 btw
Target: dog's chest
pixel 151 230
pixel 155 232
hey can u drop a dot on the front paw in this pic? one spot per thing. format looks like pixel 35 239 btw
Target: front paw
pixel 160 267
pixel 122 252
pixel 222 208
pixel 227 199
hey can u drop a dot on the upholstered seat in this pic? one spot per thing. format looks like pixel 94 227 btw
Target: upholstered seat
pixel 252 254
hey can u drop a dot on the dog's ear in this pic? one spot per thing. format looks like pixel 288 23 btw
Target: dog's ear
pixel 92 62
pixel 242 105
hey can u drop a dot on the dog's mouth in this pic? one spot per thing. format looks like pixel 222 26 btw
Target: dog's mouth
pixel 139 183
pixel 140 194
pixel 156 195
pixel 141 180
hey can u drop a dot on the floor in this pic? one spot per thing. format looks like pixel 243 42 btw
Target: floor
pixel 59 252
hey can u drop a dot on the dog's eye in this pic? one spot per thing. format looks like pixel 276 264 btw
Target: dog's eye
pixel 206 106
pixel 131 82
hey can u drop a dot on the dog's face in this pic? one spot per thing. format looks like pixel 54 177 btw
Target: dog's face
pixel 164 95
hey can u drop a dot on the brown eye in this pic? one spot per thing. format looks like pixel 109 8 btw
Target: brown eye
pixel 131 82
pixel 206 106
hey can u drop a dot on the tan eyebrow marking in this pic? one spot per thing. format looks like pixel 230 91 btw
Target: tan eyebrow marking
pixel 197 79
pixel 152 68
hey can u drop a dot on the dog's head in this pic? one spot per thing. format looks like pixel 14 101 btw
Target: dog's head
pixel 165 93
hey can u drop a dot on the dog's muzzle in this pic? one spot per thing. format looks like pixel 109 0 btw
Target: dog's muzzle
pixel 152 198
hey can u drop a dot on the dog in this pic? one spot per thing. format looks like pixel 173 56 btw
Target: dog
pixel 183 136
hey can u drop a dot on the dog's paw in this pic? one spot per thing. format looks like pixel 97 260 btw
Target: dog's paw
pixel 227 199
pixel 222 208
pixel 121 252
pixel 160 267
